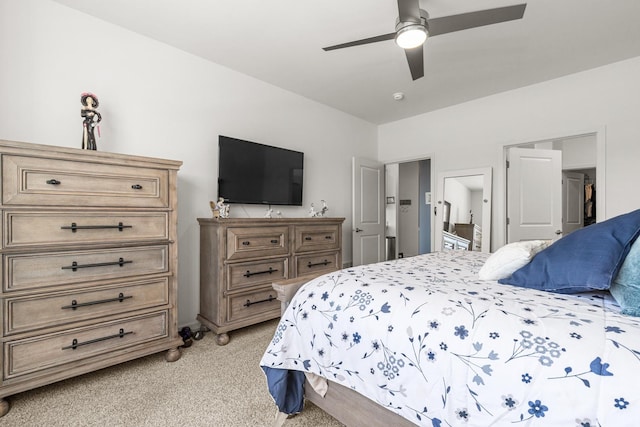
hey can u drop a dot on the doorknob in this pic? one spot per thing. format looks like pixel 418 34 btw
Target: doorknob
pixel 358 230
pixel 558 232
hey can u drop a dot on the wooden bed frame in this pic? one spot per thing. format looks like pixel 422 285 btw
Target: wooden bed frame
pixel 345 405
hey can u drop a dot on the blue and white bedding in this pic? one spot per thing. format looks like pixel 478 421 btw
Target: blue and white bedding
pixel 427 339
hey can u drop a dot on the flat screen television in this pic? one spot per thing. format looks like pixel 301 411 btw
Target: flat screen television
pixel 255 173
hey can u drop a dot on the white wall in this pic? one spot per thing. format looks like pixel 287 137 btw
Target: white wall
pixel 579 152
pixel 158 101
pixel 476 206
pixel 604 98
pixel 460 198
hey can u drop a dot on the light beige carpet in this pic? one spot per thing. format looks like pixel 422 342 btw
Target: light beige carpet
pixel 210 385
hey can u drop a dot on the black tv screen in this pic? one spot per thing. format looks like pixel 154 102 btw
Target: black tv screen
pixel 254 173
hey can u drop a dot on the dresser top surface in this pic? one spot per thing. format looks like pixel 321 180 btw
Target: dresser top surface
pixel 67 153
pixel 269 221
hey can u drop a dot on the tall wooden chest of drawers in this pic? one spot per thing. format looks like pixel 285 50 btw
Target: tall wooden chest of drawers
pixel 471 232
pixel 241 257
pixel 89 262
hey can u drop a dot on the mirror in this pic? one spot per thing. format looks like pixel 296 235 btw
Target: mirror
pixel 463 210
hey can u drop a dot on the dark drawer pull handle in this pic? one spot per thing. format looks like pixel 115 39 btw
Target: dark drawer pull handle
pixel 325 262
pixel 275 241
pixel 249 302
pixel 74 227
pixel 246 243
pixel 136 187
pixel 328 237
pixel 75 344
pixel 269 271
pixel 53 182
pixel 75 266
pixel 308 238
pixel 75 304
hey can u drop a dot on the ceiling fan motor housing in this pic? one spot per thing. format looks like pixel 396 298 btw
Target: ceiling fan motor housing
pixel 412 32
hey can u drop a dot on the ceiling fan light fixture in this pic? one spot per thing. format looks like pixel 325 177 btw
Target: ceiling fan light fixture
pixel 412 35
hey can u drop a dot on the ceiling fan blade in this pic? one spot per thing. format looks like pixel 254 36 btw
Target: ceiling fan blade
pixel 463 21
pixel 409 11
pixel 416 62
pixel 375 39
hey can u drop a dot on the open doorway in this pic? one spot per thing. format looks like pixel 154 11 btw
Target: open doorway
pixel 551 186
pixel 408 208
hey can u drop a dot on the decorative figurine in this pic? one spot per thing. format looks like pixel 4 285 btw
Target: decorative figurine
pixel 321 212
pixel 91 118
pixel 219 209
pixel 324 209
pixel 214 210
pixel 269 213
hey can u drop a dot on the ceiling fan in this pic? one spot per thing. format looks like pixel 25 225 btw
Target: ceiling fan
pixel 413 26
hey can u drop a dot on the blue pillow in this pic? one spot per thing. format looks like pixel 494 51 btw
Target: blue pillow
pixel 587 259
pixel 626 286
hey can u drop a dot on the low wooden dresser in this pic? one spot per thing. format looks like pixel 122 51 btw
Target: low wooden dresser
pixel 89 262
pixel 453 242
pixel 241 257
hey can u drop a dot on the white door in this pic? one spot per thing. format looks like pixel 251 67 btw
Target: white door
pixel 534 194
pixel 572 201
pixel 368 211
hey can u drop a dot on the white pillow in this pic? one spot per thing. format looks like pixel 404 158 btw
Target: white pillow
pixel 509 258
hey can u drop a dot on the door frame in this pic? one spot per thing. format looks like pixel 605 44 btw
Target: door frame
pixel 601 137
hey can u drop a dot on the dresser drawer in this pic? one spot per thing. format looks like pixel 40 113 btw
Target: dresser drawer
pixel 24 229
pixel 317 237
pixel 261 303
pixel 35 181
pixel 253 242
pixel 317 263
pixel 30 313
pixel 246 274
pixel 48 351
pixel 43 270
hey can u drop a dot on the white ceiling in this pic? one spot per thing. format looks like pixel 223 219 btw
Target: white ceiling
pixel 280 41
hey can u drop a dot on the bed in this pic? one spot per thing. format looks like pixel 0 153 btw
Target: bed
pixel 425 341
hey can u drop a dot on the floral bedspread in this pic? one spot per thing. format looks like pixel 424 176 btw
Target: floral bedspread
pixel 425 338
